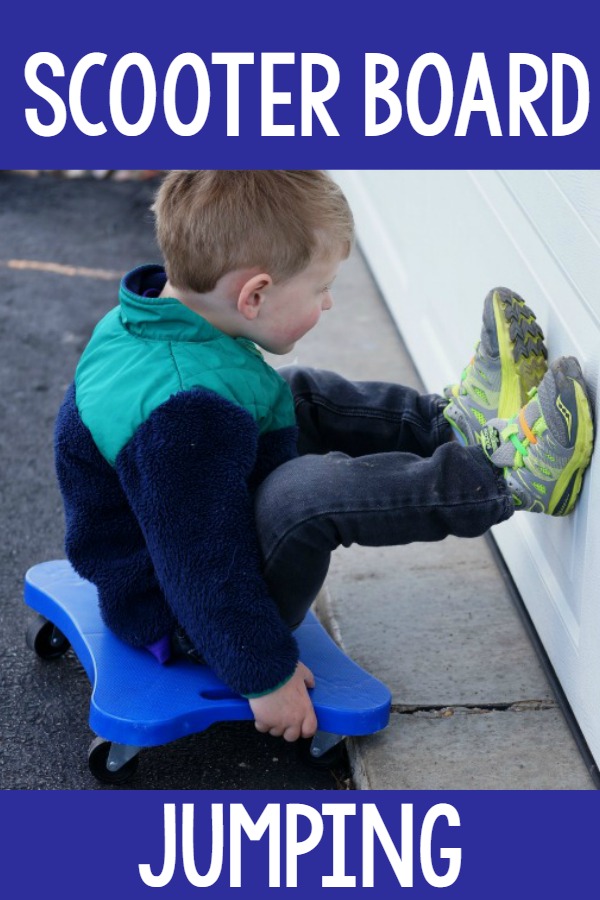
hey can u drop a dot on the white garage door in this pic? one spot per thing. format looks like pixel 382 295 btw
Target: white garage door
pixel 436 242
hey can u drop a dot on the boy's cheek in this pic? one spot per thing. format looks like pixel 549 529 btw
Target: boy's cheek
pixel 306 325
pixel 288 336
pixel 282 337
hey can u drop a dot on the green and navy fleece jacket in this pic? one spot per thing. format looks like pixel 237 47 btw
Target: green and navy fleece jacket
pixel 168 429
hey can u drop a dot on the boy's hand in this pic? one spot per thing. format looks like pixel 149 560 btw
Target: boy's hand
pixel 288 711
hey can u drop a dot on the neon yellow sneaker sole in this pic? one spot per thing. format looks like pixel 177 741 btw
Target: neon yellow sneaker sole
pixel 509 361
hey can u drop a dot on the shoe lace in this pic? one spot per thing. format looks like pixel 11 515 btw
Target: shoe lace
pixel 511 433
pixel 518 424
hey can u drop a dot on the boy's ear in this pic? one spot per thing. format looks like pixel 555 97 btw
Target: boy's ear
pixel 252 295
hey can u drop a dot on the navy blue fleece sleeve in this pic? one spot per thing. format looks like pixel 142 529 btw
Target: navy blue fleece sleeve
pixel 185 473
pixel 103 539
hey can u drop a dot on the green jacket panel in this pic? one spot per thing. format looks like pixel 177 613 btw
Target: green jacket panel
pixel 149 348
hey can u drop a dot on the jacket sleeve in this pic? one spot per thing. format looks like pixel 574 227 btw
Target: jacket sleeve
pixel 185 473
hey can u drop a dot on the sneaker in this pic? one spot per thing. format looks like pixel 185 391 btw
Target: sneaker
pixel 509 360
pixel 546 448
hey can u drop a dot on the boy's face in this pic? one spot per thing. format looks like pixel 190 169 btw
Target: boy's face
pixel 291 308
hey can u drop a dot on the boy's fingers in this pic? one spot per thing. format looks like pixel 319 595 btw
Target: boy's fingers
pixel 309 726
pixel 292 733
pixel 309 678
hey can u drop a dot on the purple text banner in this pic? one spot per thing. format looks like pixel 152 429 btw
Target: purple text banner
pixel 450 844
pixel 328 85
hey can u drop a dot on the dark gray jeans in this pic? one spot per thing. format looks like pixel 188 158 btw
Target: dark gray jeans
pixel 376 467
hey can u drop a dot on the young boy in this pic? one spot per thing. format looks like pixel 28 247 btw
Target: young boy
pixel 204 491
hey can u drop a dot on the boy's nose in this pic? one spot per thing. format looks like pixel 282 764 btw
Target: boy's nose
pixel 327 302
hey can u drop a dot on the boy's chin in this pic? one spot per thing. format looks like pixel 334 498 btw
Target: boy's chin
pixel 279 349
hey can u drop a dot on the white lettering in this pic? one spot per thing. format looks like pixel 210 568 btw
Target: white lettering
pixel 314 101
pixel 240 820
pixel 400 858
pixel 522 101
pixel 412 94
pixel 58 107
pixel 270 98
pixel 560 128
pixel 132 129
pixel 382 94
pixel 478 76
pixel 453 854
pixel 381 90
pixel 233 61
pixel 170 94
pixel 93 129
pixel 295 848
pixel 168 868
pixel 339 811
pixel 402 863
pixel 187 846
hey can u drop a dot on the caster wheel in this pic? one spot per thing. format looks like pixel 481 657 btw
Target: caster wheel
pixel 45 639
pixel 331 759
pixel 98 763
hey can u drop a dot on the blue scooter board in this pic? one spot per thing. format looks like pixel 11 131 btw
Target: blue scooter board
pixel 137 703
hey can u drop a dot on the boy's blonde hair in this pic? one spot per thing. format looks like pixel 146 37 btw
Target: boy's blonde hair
pixel 210 222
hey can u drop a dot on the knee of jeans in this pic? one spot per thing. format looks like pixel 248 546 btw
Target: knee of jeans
pixel 289 485
pixel 295 491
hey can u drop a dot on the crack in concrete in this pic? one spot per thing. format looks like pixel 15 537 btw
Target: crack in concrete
pixel 444 712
